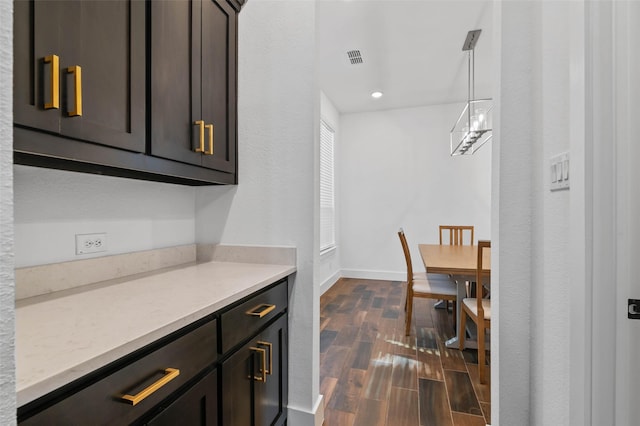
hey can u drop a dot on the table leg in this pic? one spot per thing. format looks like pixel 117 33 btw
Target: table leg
pixel 462 293
pixel 441 304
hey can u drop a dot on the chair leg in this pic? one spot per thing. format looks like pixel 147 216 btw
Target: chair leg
pixel 461 330
pixel 481 352
pixel 409 306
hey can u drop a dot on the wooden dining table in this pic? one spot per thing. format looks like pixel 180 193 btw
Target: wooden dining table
pixel 460 262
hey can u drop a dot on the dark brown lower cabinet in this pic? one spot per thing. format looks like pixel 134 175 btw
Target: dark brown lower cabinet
pixel 254 379
pixel 198 406
pixel 114 394
pixel 190 377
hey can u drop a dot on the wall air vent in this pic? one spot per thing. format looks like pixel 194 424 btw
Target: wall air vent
pixel 355 57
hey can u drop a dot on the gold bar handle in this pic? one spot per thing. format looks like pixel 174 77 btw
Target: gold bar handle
pixel 54 75
pixel 261 310
pixel 270 347
pixel 200 148
pixel 76 70
pixel 170 374
pixel 263 371
pixel 210 128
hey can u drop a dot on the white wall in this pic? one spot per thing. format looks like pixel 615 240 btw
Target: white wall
pixel 396 171
pixel 7 286
pixel 550 292
pixel 513 166
pixel 273 204
pixel 327 268
pixel 52 206
pixel 531 355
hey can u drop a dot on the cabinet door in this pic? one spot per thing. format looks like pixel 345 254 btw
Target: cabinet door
pixel 237 387
pixel 106 40
pixel 247 399
pixel 33 77
pixel 193 78
pixel 175 31
pixel 218 76
pixel 198 406
pixel 271 395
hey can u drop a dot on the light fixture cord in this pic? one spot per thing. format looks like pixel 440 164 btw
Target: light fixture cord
pixel 469 90
pixel 473 73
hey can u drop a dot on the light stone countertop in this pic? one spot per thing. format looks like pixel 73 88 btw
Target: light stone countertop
pixel 63 338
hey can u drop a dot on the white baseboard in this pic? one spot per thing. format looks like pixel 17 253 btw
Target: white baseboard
pixel 361 274
pixel 299 417
pixel 374 275
pixel 329 282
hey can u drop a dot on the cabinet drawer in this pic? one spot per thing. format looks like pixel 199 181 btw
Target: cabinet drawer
pixel 246 319
pixel 101 400
pixel 197 406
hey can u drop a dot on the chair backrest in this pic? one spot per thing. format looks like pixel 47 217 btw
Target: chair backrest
pixel 456 234
pixel 407 256
pixel 480 273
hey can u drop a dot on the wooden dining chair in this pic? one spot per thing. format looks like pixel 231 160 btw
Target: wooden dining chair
pixel 479 310
pixel 456 238
pixel 421 286
pixel 456 234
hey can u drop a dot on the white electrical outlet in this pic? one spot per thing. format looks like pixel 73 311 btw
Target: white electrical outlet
pixel 91 243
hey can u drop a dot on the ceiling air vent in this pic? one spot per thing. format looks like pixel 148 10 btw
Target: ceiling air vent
pixel 354 57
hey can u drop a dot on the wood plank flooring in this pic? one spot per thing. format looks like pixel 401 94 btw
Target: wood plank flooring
pixel 372 374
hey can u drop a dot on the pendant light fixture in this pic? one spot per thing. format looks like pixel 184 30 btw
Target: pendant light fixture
pixel 473 127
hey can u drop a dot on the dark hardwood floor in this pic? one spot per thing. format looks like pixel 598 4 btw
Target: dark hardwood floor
pixel 372 374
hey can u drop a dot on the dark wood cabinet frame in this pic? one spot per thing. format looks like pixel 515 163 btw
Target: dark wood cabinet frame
pixel 214 372
pixel 48 138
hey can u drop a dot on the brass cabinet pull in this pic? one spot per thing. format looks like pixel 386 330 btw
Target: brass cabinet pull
pixel 76 70
pixel 270 347
pixel 210 128
pixel 263 370
pixel 54 75
pixel 170 374
pixel 200 147
pixel 261 310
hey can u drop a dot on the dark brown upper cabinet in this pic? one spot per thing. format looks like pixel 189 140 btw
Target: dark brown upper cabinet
pixel 193 82
pixel 79 70
pixel 131 88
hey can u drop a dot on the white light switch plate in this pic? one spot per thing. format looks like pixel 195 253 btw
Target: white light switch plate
pixel 559 168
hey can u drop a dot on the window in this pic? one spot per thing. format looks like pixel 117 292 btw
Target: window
pixel 327 197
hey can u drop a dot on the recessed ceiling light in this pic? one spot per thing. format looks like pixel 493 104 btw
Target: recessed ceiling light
pixel 376 95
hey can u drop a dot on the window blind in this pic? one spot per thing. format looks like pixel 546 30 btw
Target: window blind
pixel 327 196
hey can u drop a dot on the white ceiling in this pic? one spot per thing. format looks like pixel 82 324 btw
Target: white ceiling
pixel 411 51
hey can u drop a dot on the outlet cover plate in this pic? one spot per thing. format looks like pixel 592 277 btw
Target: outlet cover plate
pixel 91 243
